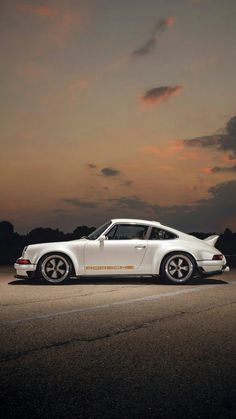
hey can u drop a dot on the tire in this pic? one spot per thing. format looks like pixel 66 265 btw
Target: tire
pixel 55 268
pixel 178 268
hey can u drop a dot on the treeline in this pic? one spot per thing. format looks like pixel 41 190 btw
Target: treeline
pixel 12 243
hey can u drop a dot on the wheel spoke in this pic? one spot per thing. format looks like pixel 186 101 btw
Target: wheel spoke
pixel 61 271
pixel 180 261
pixel 180 275
pixel 54 275
pixel 172 263
pixel 172 271
pixel 53 262
pixel 48 269
pixel 60 263
pixel 184 268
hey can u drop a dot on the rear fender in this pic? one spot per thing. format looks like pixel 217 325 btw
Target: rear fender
pixel 158 259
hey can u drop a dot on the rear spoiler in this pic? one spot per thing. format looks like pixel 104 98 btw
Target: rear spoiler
pixel 211 239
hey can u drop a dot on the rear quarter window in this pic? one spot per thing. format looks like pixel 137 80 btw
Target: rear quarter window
pixel 160 234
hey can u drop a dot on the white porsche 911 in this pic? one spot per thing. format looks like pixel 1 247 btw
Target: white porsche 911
pixel 127 247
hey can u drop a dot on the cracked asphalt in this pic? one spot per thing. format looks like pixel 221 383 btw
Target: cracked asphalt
pixel 118 348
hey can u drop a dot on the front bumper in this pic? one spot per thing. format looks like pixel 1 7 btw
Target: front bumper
pixel 25 271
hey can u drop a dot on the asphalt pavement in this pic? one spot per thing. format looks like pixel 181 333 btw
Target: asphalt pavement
pixel 118 348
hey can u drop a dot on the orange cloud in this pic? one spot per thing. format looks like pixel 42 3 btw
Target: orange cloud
pixel 207 170
pixel 159 94
pixel 61 21
pixel 229 159
pixel 188 156
pixel 176 146
pixel 173 148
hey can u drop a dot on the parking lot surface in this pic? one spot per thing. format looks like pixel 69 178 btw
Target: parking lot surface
pixel 118 348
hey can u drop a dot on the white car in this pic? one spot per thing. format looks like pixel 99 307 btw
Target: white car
pixel 127 247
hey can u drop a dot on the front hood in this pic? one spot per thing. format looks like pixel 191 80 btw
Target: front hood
pixel 64 244
pixel 34 251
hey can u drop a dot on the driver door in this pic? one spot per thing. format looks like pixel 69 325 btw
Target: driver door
pixel 121 252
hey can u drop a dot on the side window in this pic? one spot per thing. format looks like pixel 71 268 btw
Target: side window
pixel 111 233
pixel 159 234
pixel 127 232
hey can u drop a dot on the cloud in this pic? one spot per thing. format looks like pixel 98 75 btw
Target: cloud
pixel 187 217
pixel 128 182
pixel 218 169
pixel 109 172
pixel 91 165
pixel 159 94
pixel 132 202
pixel 188 156
pixel 221 142
pixel 62 20
pixel 80 203
pixel 173 147
pixel 205 141
pixel 161 26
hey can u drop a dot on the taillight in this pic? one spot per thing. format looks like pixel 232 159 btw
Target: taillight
pixel 218 257
pixel 22 261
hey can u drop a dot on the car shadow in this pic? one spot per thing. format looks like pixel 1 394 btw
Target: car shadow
pixel 91 280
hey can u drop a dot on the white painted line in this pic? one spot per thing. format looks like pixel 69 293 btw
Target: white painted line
pixel 110 305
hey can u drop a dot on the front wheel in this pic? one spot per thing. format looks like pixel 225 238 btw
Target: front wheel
pixel 55 268
pixel 177 268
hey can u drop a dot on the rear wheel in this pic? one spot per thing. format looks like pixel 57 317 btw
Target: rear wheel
pixel 55 268
pixel 177 268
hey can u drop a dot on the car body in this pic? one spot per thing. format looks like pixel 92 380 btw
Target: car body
pixel 124 247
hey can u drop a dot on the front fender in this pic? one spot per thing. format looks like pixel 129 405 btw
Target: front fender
pixel 66 252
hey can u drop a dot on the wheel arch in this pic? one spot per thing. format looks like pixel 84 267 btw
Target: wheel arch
pixel 172 252
pixel 66 254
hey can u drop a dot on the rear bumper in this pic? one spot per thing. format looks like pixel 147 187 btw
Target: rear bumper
pixel 212 267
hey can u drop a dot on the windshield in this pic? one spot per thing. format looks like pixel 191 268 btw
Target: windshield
pixel 95 234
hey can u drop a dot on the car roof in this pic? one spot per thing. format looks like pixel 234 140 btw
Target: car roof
pixel 135 221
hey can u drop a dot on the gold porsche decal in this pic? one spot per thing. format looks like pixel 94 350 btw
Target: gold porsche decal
pixel 105 267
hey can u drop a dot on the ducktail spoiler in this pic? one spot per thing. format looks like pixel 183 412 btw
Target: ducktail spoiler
pixel 211 239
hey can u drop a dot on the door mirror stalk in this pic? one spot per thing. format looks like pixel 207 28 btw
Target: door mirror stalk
pixel 102 238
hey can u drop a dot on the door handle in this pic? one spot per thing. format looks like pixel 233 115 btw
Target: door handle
pixel 140 246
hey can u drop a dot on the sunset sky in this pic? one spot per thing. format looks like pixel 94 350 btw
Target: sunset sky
pixel 118 108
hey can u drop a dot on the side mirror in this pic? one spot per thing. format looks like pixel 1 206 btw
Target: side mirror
pixel 102 238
